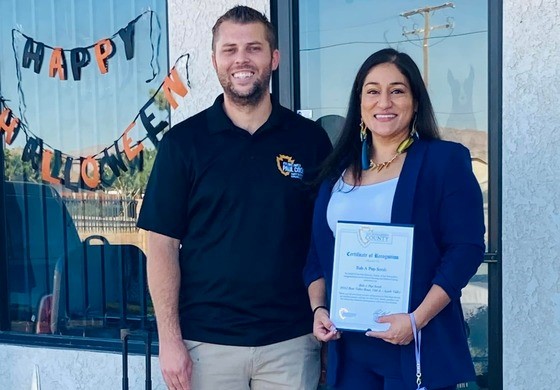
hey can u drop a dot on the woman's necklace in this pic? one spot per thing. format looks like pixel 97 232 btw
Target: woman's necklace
pixel 403 146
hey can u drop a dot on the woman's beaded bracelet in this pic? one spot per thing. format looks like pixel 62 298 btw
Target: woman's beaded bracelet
pixel 320 307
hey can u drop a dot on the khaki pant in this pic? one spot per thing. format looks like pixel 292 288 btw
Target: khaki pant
pixel 291 365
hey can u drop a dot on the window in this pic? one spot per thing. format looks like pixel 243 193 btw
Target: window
pixel 81 78
pixel 449 41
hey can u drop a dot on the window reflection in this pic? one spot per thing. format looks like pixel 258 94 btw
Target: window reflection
pixel 335 37
pixel 76 262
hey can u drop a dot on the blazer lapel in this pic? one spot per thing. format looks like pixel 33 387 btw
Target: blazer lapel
pixel 404 194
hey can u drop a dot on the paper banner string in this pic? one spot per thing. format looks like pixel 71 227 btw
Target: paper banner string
pixel 172 75
pixel 80 57
pixel 93 170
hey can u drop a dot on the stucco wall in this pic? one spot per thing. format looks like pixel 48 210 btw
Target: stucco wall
pixel 190 25
pixel 63 369
pixel 531 194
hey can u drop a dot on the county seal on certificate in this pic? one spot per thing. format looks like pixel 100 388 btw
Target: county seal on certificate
pixel 371 274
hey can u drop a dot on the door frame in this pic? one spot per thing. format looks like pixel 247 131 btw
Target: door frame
pixel 285 87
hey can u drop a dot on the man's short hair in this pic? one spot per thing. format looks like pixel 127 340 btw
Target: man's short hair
pixel 244 15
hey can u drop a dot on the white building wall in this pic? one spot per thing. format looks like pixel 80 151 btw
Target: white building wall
pixel 531 194
pixel 64 369
pixel 190 24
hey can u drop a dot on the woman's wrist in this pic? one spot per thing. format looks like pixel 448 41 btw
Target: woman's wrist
pixel 419 319
pixel 319 307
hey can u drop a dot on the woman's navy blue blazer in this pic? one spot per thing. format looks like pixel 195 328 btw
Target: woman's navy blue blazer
pixel 438 193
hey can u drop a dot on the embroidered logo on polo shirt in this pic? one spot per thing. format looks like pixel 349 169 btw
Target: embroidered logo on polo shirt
pixel 288 167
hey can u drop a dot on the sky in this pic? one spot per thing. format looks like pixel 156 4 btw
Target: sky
pixel 82 117
pixel 336 36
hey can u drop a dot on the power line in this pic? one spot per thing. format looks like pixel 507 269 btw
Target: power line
pixel 426 12
pixel 391 42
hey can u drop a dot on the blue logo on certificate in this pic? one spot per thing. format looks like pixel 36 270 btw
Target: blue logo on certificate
pixel 368 235
pixel 344 313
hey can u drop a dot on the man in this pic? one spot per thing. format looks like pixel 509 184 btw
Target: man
pixel 228 211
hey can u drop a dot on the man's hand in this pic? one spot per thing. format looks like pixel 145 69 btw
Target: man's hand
pixel 323 328
pixel 176 364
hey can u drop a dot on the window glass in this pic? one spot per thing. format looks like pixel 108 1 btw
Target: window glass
pixel 449 42
pixel 79 77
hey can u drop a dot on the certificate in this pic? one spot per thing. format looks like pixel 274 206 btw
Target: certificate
pixel 371 274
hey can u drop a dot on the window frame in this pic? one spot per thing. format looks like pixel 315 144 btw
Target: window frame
pixel 136 339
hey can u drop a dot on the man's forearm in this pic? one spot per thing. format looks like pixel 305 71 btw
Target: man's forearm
pixel 164 280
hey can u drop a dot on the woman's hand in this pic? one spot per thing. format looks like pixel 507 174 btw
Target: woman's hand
pixel 400 331
pixel 323 327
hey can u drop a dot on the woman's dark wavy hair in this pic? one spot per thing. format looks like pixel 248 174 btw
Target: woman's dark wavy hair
pixel 348 148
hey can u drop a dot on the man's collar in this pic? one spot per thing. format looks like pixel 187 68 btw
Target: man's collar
pixel 219 121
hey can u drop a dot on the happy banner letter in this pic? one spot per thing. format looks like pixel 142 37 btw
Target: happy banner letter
pixel 104 49
pixel 57 64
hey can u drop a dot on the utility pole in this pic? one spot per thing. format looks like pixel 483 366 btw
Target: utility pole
pixel 426 12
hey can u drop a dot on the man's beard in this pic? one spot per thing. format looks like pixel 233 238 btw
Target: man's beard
pixel 253 96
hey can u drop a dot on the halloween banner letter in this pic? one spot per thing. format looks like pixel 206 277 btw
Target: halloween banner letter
pixel 152 131
pixel 173 83
pixel 9 124
pixel 33 152
pixel 46 173
pixel 68 183
pixel 131 152
pixel 90 172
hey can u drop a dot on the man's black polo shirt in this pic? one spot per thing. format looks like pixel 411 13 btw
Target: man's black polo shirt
pixel 240 207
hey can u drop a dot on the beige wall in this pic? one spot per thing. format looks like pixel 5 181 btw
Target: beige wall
pixel 190 23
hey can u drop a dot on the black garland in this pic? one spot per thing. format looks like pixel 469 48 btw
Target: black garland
pixel 153 61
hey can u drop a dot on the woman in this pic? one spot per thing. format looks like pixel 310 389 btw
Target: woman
pixel 389 166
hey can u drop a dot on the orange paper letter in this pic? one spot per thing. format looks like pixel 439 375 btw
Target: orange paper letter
pixel 9 124
pixel 173 83
pixel 127 141
pixel 58 63
pixel 90 166
pixel 103 51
